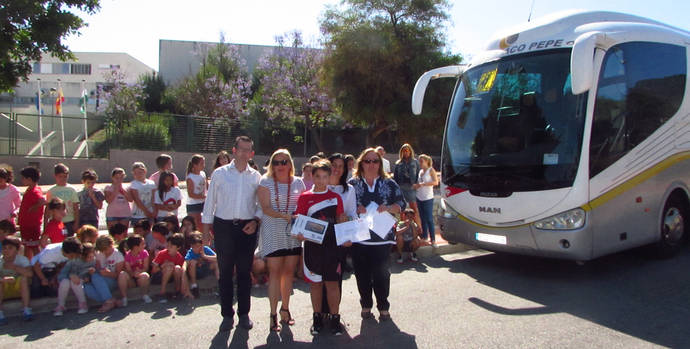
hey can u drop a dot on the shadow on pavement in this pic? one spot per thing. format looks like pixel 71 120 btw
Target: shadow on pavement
pixel 629 292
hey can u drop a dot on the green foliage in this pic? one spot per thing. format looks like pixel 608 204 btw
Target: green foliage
pixel 124 101
pixel 377 50
pixel 146 134
pixel 153 89
pixel 30 27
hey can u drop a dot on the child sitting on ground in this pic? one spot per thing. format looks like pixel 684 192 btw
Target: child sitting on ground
pixel 73 275
pixel 406 236
pixel 136 269
pixel 110 263
pixel 31 211
pixel 119 234
pixel 157 240
pixel 47 264
pixel 169 263
pixel 55 230
pixel 15 273
pixel 199 262
pixel 7 228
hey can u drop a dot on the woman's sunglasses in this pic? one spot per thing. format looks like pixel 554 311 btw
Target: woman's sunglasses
pixel 280 162
pixel 367 161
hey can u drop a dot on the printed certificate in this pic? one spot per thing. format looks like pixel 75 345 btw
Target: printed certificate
pixel 354 231
pixel 311 228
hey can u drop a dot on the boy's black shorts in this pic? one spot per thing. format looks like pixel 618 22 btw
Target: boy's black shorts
pixel 323 261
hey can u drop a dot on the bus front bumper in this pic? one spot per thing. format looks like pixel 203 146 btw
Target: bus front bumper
pixel 522 239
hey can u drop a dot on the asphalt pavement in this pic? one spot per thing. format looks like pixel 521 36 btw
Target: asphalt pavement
pixel 469 299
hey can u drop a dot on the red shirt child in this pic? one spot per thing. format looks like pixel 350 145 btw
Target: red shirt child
pixel 30 220
pixel 165 256
pixel 55 230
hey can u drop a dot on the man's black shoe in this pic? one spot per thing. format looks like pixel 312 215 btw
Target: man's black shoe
pixel 245 322
pixel 227 324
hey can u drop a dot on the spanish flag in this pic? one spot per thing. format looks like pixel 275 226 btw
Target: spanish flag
pixel 58 102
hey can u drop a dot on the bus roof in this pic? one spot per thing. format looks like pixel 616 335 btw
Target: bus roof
pixel 559 30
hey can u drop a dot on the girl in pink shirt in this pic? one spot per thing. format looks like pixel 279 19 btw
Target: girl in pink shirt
pixel 10 198
pixel 118 199
pixel 136 269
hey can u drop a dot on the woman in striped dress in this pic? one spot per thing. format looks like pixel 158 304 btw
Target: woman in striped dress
pixel 277 193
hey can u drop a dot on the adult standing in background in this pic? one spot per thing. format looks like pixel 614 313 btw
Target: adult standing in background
pixel 278 192
pixel 406 173
pixel 425 196
pixel 384 162
pixel 371 258
pixel 232 207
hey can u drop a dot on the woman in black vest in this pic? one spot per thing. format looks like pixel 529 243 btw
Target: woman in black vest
pixel 371 258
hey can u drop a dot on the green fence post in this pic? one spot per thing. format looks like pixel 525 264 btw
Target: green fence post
pixel 190 133
pixel 12 146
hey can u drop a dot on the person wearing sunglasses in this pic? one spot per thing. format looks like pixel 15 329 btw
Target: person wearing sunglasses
pixel 371 258
pixel 277 193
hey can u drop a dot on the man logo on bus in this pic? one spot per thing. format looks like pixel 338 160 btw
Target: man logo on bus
pixel 490 209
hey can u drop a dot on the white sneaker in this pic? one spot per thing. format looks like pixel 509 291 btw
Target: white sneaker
pixel 146 299
pixel 58 311
pixel 83 310
pixel 400 260
pixel 124 302
pixel 414 258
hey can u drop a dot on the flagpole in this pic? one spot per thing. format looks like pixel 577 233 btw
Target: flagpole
pixel 62 122
pixel 86 129
pixel 40 123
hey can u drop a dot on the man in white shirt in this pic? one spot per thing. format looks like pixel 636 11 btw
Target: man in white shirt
pixel 231 206
pixel 385 163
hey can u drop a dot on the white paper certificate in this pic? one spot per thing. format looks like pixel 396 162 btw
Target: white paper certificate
pixel 379 222
pixel 311 228
pixel 354 231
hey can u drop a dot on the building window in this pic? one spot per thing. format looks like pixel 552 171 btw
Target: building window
pixel 80 69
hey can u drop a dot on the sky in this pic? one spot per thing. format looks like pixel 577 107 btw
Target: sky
pixel 136 26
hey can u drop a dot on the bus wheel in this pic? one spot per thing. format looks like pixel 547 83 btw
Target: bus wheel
pixel 673 225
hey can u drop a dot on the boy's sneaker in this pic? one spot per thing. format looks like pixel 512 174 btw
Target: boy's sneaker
pixel 147 299
pixel 414 257
pixel 317 324
pixel 58 310
pixel 195 291
pixel 83 308
pixel 28 316
pixel 336 326
pixel 400 259
pixel 123 302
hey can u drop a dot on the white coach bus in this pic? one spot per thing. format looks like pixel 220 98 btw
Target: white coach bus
pixel 569 137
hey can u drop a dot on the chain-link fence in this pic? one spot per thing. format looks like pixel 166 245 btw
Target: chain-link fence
pixel 34 135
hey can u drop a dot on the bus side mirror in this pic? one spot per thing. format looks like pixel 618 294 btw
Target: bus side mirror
pixel 582 62
pixel 451 71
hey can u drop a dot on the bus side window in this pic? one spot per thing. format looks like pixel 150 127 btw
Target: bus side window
pixel 640 87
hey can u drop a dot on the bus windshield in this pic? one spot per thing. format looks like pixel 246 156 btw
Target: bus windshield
pixel 514 125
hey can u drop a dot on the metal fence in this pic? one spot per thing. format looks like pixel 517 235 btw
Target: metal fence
pixel 49 136
pixel 63 137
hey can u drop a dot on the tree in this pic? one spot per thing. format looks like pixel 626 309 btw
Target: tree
pixel 123 100
pixel 31 27
pixel 290 93
pixel 153 90
pixel 376 51
pixel 220 89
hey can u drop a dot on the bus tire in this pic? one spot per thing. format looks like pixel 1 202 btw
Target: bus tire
pixel 673 226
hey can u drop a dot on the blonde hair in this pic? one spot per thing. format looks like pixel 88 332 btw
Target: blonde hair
pixel 103 242
pixel 359 170
pixel 269 168
pixel 428 159
pixel 400 152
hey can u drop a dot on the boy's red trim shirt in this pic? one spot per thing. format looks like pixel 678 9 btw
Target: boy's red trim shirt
pixel 164 256
pixel 34 218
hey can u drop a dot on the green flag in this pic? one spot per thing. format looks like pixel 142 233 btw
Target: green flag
pixel 83 100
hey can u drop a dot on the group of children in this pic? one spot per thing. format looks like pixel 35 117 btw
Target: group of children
pixel 45 258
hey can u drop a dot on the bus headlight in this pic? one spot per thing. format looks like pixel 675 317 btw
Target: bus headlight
pixel 567 220
pixel 445 211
